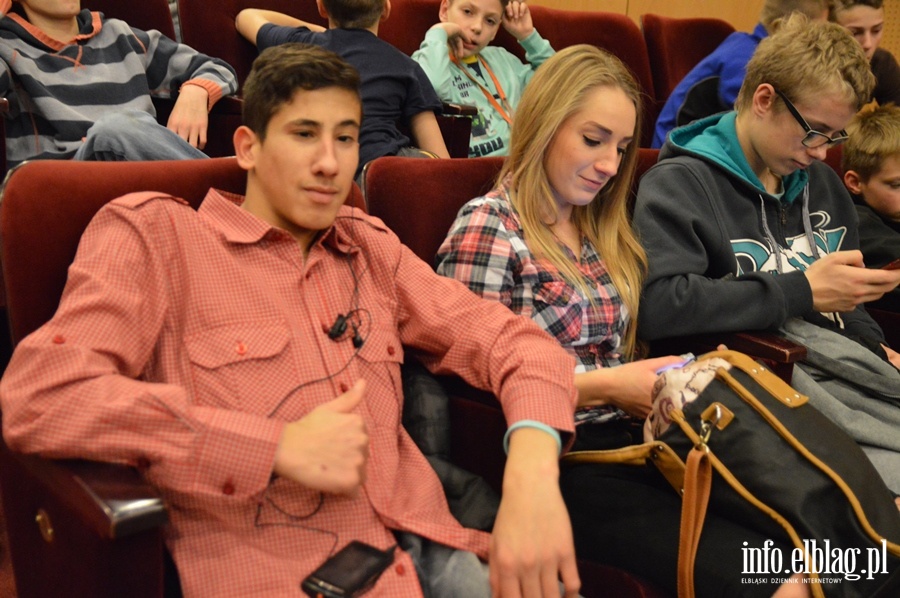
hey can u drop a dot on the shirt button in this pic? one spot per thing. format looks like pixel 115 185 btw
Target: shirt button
pixel 59 339
pixel 325 328
pixel 344 387
pixel 565 297
pixel 241 348
pixel 400 569
pixel 228 489
pixel 391 350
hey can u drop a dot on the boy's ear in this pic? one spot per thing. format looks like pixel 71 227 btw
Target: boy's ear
pixel 322 12
pixel 442 13
pixel 854 182
pixel 386 11
pixel 763 99
pixel 245 144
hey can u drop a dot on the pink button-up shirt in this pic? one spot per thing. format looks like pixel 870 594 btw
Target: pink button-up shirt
pixel 185 339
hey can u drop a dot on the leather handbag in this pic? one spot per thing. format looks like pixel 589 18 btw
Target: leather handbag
pixel 742 443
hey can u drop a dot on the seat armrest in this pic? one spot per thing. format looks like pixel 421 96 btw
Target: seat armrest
pixel 77 528
pixel 451 109
pixel 777 352
pixel 111 500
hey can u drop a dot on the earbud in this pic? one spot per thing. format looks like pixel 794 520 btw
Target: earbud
pixel 357 339
pixel 339 327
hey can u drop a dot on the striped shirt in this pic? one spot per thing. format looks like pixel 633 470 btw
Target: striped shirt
pixel 57 91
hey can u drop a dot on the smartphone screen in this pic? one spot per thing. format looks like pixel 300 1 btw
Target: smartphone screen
pixel 350 572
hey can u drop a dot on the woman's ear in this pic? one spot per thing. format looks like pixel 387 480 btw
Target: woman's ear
pixel 854 182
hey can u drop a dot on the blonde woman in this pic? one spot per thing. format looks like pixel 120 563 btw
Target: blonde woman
pixel 553 242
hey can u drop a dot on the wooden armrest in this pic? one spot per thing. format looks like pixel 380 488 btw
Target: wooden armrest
pixel 458 109
pixel 4 105
pixel 77 528
pixel 777 352
pixel 111 500
pixel 762 345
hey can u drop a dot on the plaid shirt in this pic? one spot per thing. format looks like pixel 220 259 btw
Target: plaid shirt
pixel 486 250
pixel 184 339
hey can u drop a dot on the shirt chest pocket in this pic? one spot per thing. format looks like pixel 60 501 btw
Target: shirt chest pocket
pixel 247 367
pixel 558 310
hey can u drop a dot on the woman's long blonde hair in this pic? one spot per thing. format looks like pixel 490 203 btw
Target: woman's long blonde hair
pixel 556 92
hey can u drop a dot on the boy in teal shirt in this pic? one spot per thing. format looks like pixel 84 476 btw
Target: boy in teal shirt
pixel 463 69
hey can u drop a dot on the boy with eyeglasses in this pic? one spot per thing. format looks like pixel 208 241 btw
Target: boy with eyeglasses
pixel 746 229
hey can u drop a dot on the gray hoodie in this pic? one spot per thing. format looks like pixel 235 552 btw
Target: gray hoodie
pixel 725 255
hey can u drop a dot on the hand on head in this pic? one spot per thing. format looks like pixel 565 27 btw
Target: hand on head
pixel 517 19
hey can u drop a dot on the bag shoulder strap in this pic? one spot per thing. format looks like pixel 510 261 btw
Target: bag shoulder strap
pixel 697 485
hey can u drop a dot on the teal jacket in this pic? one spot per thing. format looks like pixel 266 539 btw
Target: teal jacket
pixel 490 131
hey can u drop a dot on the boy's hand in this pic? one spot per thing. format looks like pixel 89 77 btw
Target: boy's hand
pixel 190 118
pixel 455 36
pixel 517 20
pixel 840 281
pixel 327 450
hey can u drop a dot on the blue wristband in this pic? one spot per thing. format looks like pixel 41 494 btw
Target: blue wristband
pixel 530 423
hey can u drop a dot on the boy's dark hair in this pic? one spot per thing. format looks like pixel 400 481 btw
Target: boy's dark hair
pixel 837 6
pixel 280 71
pixel 354 14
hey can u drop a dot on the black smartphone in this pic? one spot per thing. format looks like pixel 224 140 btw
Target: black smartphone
pixel 895 265
pixel 350 572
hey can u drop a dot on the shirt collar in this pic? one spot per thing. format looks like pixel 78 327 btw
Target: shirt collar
pixel 89 25
pixel 223 210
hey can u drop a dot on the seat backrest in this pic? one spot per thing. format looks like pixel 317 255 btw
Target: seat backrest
pixel 141 14
pixel 208 27
pixel 675 46
pixel 419 199
pixel 46 205
pixel 441 189
pixel 408 22
pixel 615 33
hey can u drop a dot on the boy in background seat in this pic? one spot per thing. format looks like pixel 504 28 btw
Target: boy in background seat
pixel 80 86
pixel 871 165
pixel 393 87
pixel 465 70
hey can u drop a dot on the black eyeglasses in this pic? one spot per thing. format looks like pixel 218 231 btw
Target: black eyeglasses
pixel 813 138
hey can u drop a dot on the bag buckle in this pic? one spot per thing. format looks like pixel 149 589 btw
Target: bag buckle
pixel 709 420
